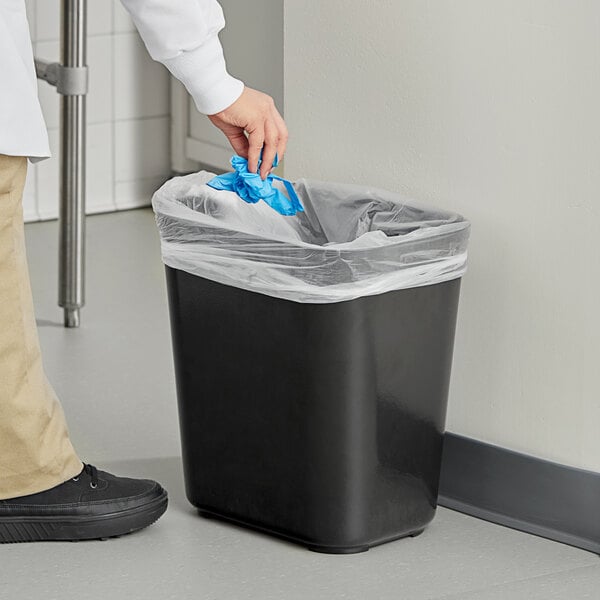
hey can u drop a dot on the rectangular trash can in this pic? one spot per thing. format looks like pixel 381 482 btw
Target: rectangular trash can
pixel 321 422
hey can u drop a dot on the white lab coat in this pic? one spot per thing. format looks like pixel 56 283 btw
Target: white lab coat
pixel 182 34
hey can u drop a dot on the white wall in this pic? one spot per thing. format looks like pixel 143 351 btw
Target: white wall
pixel 127 113
pixel 490 109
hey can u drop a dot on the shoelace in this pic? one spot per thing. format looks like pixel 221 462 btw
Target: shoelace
pixel 92 472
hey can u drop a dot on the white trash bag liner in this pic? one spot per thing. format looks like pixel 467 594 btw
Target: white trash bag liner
pixel 351 241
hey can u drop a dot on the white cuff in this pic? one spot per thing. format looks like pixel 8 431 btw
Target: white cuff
pixel 204 74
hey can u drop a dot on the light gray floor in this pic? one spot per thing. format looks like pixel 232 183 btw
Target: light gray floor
pixel 115 378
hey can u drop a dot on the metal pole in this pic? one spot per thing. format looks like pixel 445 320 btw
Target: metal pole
pixel 72 168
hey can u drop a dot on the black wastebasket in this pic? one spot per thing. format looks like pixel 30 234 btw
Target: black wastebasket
pixel 321 422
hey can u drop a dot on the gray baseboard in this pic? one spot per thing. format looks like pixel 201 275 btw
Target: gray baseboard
pixel 519 491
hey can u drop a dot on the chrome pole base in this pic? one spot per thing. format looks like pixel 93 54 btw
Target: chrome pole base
pixel 71 317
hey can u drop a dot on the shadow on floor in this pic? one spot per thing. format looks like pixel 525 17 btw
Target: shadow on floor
pixel 47 323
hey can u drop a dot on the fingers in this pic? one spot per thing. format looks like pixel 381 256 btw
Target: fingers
pixel 283 134
pixel 275 141
pixel 238 141
pixel 270 148
pixel 255 114
pixel 256 139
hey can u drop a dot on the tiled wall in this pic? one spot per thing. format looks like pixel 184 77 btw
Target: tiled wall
pixel 127 113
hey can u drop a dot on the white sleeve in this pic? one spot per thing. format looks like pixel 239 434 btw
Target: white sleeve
pixel 183 35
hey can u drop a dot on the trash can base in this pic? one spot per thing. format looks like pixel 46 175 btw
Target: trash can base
pixel 320 548
pixel 359 549
pixel 416 533
pixel 338 549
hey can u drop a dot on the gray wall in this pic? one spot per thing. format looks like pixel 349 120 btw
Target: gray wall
pixel 491 109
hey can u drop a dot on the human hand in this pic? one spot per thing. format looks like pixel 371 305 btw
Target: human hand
pixel 255 114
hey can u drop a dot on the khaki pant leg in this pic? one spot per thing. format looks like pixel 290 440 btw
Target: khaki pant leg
pixel 35 451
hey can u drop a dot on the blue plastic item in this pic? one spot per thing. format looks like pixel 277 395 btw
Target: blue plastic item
pixel 251 188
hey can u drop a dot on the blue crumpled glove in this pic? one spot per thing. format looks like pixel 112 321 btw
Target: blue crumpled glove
pixel 251 188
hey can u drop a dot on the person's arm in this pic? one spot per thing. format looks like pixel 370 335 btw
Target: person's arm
pixel 183 35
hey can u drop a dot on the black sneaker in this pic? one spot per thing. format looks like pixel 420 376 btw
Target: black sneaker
pixel 93 505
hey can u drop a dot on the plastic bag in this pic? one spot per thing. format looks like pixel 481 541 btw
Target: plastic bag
pixel 349 242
